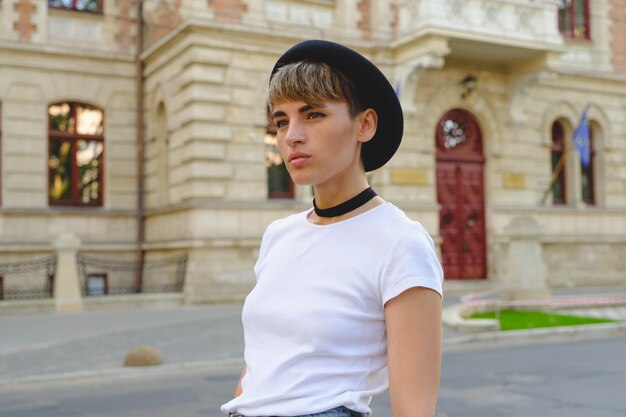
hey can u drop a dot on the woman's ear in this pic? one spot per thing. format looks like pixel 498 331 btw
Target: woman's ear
pixel 368 122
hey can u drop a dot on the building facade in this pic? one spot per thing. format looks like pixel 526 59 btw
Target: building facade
pixel 492 93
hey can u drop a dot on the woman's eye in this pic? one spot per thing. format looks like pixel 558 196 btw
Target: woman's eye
pixel 281 123
pixel 315 115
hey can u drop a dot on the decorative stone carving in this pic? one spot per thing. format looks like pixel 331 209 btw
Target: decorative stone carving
pixel 316 15
pixel 24 26
pixel 519 86
pixel 407 77
pixel 161 17
pixel 521 20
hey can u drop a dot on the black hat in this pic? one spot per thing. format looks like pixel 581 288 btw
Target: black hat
pixel 371 86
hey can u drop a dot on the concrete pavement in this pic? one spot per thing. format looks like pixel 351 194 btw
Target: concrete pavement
pixel 39 347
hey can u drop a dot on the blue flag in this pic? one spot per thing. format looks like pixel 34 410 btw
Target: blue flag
pixel 581 139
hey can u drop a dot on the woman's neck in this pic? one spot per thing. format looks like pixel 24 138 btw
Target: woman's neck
pixel 330 195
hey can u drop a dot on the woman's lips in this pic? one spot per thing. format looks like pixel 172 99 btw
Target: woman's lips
pixel 298 159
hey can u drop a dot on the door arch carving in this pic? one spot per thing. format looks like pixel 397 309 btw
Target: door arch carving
pixel 460 194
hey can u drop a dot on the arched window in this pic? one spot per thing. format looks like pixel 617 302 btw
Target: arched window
pixel 558 164
pixel 279 183
pixel 75 154
pixel 574 18
pixel 587 174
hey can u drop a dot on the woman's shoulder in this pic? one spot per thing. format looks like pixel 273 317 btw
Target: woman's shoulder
pixel 287 222
pixel 396 229
pixel 396 220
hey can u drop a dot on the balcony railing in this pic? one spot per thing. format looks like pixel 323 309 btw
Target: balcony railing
pixel 515 22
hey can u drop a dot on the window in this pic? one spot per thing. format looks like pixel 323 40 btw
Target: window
pixel 558 164
pixel 94 6
pixel 587 177
pixel 574 19
pixel 279 183
pixel 97 284
pixel 75 154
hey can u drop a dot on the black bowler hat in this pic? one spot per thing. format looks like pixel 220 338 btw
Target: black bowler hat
pixel 371 86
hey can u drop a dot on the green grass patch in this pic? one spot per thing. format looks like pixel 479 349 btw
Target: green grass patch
pixel 522 319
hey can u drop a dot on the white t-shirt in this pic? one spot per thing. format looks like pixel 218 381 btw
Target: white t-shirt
pixel 314 324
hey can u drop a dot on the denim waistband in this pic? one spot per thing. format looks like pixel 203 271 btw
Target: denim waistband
pixel 335 412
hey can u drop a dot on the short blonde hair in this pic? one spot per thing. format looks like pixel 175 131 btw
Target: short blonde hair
pixel 312 82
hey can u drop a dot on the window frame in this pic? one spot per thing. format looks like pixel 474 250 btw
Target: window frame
pixel 98 11
pixel 73 138
pixel 558 146
pixel 570 11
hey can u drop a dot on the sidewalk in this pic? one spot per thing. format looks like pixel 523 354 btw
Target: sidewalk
pixel 37 346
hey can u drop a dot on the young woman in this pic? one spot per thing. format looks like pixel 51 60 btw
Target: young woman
pixel 348 294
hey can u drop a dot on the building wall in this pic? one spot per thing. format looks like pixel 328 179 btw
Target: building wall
pixel 206 69
pixel 618 29
pixel 53 55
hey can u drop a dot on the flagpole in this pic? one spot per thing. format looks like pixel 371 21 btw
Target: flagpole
pixel 555 174
pixel 580 141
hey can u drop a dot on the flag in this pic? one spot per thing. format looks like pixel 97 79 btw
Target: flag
pixel 581 138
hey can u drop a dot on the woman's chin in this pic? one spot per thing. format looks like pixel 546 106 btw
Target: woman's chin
pixel 301 179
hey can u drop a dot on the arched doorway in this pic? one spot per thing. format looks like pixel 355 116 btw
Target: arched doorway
pixel 460 193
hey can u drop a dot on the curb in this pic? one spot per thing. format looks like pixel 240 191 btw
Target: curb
pixel 552 334
pixel 121 372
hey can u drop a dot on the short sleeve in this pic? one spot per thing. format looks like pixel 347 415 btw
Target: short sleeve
pixel 412 262
pixel 263 249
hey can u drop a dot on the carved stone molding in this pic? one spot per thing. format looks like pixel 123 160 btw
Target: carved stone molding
pixel 407 78
pixel 519 86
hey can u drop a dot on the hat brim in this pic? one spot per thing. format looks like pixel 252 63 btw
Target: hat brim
pixel 372 87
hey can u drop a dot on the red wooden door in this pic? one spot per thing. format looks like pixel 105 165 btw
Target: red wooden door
pixel 460 193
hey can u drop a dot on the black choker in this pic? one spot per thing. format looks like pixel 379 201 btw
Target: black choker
pixel 347 206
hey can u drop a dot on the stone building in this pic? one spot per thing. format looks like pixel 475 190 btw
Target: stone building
pixel 492 93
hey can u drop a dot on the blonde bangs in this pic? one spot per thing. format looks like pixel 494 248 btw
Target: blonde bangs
pixel 311 82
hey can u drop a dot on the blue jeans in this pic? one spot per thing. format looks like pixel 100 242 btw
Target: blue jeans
pixel 335 412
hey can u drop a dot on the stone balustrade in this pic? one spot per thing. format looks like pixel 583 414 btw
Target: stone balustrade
pixel 503 21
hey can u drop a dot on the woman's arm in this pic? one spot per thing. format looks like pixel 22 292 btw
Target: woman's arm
pixel 239 390
pixel 413 321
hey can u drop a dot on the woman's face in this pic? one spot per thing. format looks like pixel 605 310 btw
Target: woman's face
pixel 319 142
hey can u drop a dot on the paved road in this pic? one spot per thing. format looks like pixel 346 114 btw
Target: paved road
pixel 575 379
pixel 33 345
pixel 48 344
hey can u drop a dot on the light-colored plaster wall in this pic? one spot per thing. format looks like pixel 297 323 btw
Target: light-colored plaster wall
pixel 33 80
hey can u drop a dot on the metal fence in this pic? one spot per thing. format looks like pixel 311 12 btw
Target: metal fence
pixel 101 276
pixel 27 279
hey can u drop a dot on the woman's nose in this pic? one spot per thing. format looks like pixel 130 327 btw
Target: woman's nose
pixel 294 134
